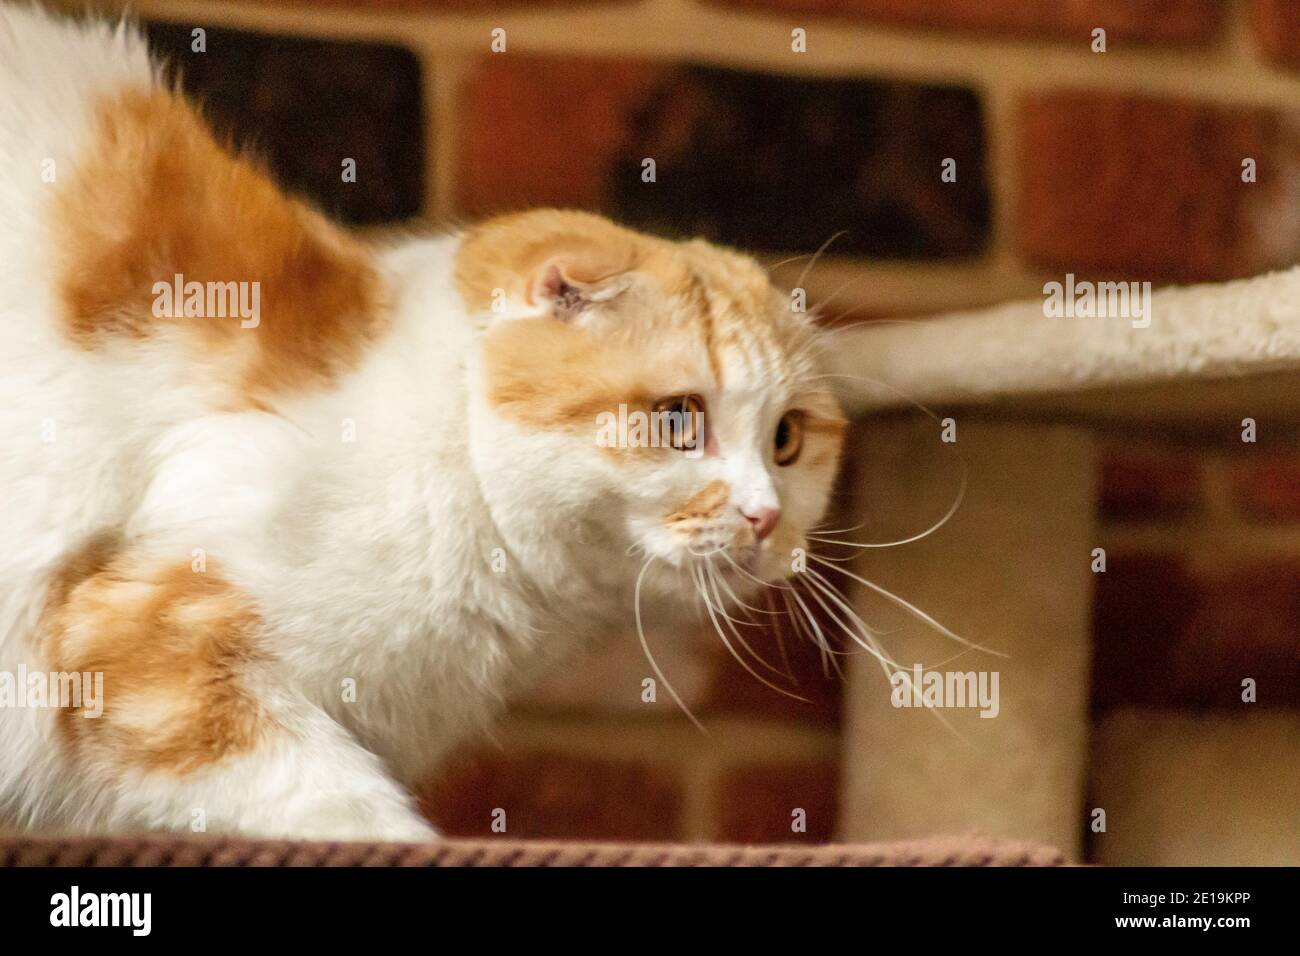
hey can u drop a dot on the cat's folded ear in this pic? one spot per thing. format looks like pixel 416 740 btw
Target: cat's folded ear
pixel 553 263
pixel 564 287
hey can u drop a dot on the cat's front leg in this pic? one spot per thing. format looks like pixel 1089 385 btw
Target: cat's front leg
pixel 197 729
pixel 308 781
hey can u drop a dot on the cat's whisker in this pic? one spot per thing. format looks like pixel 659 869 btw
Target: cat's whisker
pixel 645 648
pixel 714 578
pixel 909 607
pixel 890 668
pixel 825 304
pixel 780 638
pixel 879 384
pixel 706 554
pixel 857 626
pixel 947 660
pixel 736 598
pixel 712 574
pixel 823 641
pixel 818 529
pixel 831 653
pixel 717 627
pixel 841 560
pixel 752 577
pixel 910 684
pixel 813 345
pixel 860 635
pixel 947 516
pixel 817 255
pixel 796 621
pixel 952 509
pixel 822 644
pixel 785 262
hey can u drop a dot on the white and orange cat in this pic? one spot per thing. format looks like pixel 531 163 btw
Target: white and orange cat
pixel 313 508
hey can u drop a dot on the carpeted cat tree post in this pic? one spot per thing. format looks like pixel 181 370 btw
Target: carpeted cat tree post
pixel 1019 397
pixel 1009 570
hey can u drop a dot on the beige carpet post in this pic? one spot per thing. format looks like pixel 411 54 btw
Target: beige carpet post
pixel 1011 571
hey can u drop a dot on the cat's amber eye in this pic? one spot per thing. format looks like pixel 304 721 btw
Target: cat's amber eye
pixel 681 421
pixel 789 438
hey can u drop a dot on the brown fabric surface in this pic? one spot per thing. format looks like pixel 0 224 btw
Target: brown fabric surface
pixel 204 851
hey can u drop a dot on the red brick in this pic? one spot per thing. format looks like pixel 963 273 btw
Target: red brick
pixel 1277 29
pixel 1167 637
pixel 1142 21
pixel 756 803
pixel 1249 626
pixel 543 132
pixel 824 156
pixel 1143 605
pixel 1148 486
pixel 1151 188
pixel 1268 490
pixel 552 795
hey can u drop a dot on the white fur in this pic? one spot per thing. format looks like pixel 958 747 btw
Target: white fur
pixel 370 561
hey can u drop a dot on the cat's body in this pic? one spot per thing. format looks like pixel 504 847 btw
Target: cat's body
pixel 311 549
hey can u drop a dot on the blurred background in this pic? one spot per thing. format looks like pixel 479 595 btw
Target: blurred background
pixel 774 125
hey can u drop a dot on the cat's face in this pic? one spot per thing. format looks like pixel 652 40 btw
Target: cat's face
pixel 664 392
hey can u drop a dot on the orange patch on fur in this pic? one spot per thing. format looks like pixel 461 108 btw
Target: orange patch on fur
pixel 85 562
pixel 505 254
pixel 548 375
pixel 703 504
pixel 700 299
pixel 174 646
pixel 157 197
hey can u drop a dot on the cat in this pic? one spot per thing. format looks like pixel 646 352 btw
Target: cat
pixel 311 507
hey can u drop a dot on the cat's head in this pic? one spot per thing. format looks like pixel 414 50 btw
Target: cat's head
pixel 663 397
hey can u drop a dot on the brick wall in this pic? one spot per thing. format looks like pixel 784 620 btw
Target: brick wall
pixel 1118 164
pixel 1203 576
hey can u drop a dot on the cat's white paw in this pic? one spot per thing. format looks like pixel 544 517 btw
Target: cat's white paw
pixel 349 823
pixel 407 831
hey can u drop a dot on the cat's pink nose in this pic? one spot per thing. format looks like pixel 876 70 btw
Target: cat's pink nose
pixel 763 520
